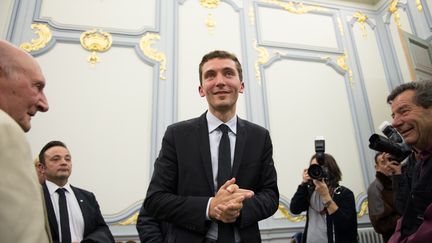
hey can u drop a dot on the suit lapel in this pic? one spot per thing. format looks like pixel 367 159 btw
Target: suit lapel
pixel 239 146
pixel 204 145
pixel 82 202
pixel 51 215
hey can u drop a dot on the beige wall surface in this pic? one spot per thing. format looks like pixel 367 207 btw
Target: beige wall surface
pixel 5 16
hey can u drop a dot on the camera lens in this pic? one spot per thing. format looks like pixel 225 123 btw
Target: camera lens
pixel 315 172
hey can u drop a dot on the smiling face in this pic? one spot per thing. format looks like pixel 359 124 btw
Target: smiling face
pixel 413 122
pixel 221 85
pixel 21 86
pixel 58 165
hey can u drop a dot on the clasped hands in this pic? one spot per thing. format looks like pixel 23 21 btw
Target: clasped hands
pixel 228 202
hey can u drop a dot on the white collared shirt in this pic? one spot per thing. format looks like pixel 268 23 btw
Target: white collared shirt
pixel 215 135
pixel 76 220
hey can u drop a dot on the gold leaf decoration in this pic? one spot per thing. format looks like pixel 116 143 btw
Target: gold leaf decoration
pixel 210 3
pixel 393 9
pixel 363 209
pixel 285 212
pixel 419 5
pixel 341 29
pixel 129 221
pixel 361 19
pixel 95 41
pixel 145 44
pixel 341 62
pixel 251 15
pixel 210 23
pixel 296 8
pixel 263 58
pixel 44 37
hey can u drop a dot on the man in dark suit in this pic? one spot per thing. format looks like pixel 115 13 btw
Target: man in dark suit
pixel 191 189
pixel 79 219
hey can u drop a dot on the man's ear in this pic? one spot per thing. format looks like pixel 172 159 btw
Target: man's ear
pixel 201 91
pixel 241 90
pixel 41 166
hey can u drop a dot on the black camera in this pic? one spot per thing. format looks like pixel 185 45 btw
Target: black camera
pixel 316 171
pixel 393 144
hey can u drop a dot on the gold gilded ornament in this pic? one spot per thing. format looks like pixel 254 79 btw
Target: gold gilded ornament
pixel 210 3
pixel 44 37
pixel 145 44
pixel 95 41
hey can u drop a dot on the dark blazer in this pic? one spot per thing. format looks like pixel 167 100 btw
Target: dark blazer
pixel 150 230
pixel 182 181
pixel 95 228
pixel 342 224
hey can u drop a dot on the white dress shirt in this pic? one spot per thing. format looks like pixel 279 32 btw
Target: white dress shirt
pixel 76 220
pixel 215 135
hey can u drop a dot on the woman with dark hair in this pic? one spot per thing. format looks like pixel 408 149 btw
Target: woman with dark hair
pixel 330 208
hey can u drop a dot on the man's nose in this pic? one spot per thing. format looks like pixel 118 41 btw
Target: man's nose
pixel 42 104
pixel 220 79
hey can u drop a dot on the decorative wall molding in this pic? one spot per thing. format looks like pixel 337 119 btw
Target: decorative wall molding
pixel 263 58
pixel 295 7
pixel 44 37
pixel 320 11
pixel 362 19
pixel 145 44
pixel 210 3
pixel 95 41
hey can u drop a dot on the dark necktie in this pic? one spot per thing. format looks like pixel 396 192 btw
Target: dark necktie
pixel 64 217
pixel 225 231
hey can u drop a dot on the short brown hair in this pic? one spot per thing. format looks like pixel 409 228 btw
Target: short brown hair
pixel 223 55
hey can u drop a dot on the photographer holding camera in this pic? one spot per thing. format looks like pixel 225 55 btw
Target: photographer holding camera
pixel 411 105
pixel 381 205
pixel 330 208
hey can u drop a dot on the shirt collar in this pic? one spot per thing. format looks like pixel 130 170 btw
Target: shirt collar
pixel 213 123
pixel 52 187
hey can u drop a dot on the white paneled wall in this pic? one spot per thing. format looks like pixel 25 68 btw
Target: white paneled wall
pixel 309 70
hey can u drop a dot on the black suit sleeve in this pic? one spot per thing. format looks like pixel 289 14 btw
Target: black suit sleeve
pixel 300 200
pixel 266 199
pixel 149 229
pixel 164 200
pixel 96 231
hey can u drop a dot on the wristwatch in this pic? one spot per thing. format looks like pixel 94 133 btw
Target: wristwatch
pixel 327 204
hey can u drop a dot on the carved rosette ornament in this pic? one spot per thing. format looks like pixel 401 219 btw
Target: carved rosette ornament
pixel 95 41
pixel 44 37
pixel 145 45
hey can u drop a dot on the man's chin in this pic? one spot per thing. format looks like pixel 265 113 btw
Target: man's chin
pixel 25 126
